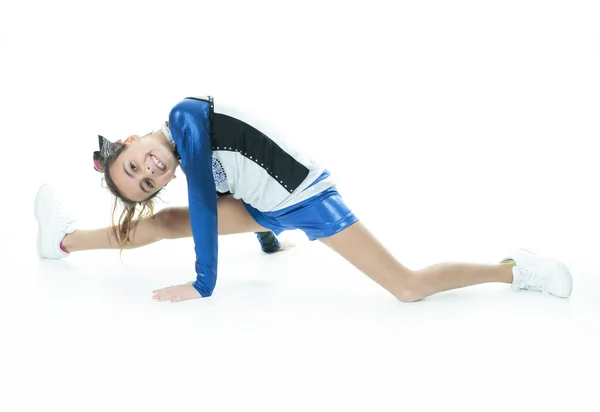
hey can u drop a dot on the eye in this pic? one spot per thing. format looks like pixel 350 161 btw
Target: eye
pixel 149 183
pixel 132 166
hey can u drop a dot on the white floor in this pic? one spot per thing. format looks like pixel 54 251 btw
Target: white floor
pixel 282 331
pixel 458 132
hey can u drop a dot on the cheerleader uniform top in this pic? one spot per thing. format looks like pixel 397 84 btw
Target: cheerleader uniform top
pixel 220 153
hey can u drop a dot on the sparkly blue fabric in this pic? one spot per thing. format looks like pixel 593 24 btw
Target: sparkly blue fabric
pixel 320 216
pixel 189 122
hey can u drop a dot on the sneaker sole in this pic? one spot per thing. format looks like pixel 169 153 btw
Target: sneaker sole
pixel 562 265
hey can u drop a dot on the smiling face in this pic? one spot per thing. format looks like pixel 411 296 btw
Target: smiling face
pixel 144 167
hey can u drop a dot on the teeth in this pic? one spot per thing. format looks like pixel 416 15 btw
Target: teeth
pixel 158 163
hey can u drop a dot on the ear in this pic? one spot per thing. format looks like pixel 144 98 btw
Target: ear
pixel 131 139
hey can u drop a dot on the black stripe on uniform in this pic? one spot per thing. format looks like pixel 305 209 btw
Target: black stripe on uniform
pixel 230 134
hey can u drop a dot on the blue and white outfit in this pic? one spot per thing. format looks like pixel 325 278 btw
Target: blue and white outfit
pixel 281 188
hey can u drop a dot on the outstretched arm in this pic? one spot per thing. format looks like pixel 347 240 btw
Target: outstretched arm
pixel 189 122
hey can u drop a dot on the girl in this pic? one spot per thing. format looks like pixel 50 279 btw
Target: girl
pixel 273 188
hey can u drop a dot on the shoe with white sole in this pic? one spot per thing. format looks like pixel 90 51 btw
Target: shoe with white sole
pixel 54 223
pixel 532 272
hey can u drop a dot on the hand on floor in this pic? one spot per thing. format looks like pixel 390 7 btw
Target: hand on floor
pixel 177 293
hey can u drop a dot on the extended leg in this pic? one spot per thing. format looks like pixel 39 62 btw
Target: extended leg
pixel 169 223
pixel 357 245
pixel 56 226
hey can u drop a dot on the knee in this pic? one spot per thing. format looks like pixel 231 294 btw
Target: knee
pixel 409 290
pixel 166 222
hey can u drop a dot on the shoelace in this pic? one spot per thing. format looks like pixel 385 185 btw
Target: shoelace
pixel 531 280
pixel 62 216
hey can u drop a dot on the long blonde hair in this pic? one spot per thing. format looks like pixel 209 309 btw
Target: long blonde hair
pixel 122 229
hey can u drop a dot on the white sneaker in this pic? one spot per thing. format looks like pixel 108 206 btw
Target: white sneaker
pixel 53 223
pixel 532 272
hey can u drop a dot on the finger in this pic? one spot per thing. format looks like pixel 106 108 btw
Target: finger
pixel 159 298
pixel 162 294
pixel 178 297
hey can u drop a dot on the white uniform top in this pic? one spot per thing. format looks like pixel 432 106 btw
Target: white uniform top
pixel 266 173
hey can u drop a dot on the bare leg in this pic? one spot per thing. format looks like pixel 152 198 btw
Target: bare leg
pixel 169 223
pixel 359 247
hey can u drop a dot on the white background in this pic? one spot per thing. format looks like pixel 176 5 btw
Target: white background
pixel 457 131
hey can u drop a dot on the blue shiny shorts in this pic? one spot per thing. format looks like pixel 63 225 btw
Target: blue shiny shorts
pixel 320 216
